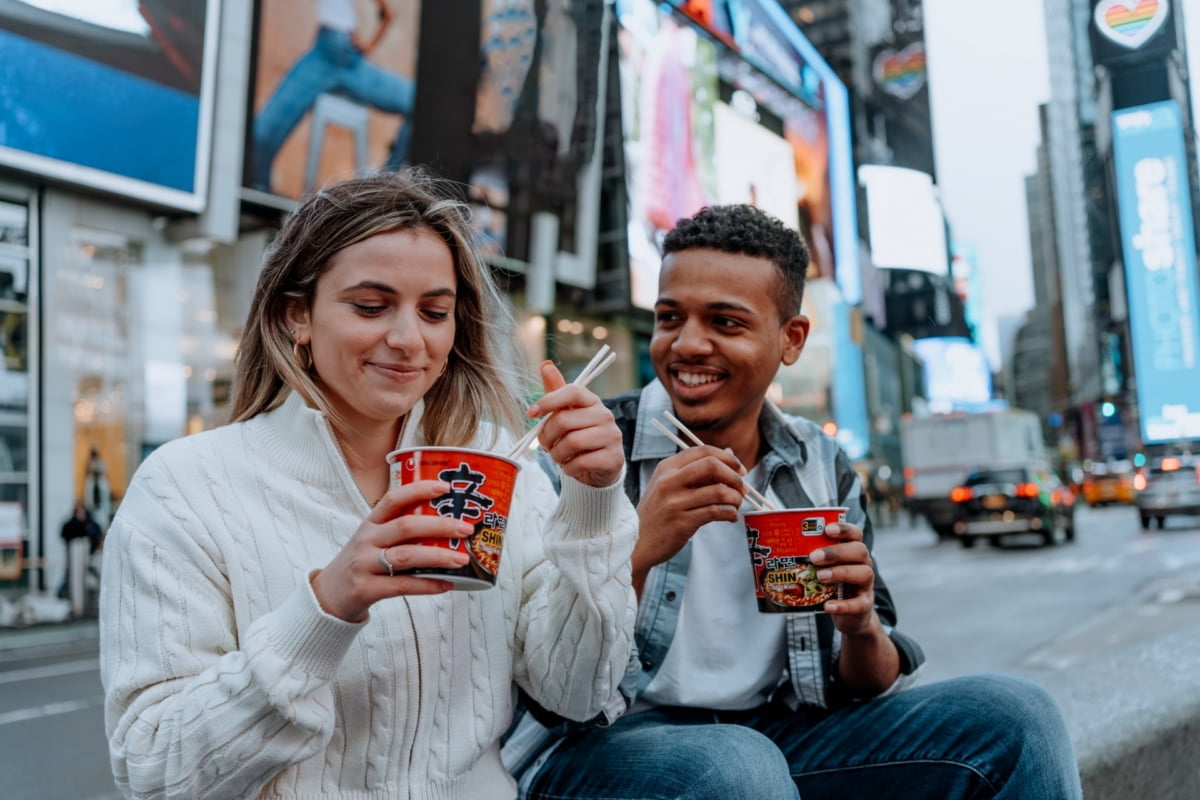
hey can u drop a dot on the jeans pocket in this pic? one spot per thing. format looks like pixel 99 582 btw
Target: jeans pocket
pixel 338 49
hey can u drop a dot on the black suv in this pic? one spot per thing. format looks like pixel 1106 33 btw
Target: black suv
pixel 992 503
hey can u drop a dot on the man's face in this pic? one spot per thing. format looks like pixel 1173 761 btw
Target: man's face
pixel 718 339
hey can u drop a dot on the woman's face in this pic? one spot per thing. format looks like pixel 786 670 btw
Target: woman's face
pixel 381 325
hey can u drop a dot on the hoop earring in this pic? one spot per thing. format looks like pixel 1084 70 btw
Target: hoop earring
pixel 302 356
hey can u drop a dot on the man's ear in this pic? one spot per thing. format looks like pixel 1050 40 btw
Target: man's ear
pixel 793 334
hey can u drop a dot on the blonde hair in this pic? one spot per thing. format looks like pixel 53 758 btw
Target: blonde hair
pixel 483 376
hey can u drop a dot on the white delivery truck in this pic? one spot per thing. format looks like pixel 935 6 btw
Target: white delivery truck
pixel 939 452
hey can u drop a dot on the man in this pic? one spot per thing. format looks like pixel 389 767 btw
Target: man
pixel 728 703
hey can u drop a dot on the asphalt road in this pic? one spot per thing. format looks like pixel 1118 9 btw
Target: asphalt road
pixel 1019 609
pixel 52 729
pixel 1029 610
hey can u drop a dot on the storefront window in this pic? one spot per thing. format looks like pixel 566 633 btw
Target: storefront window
pixel 138 333
pixel 14 387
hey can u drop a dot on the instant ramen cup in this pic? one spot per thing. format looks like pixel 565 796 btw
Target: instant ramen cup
pixel 785 581
pixel 481 490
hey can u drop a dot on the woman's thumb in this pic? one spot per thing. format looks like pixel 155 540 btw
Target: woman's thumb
pixel 551 378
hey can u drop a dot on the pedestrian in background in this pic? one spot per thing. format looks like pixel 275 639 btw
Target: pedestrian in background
pixel 725 702
pixel 97 493
pixel 82 536
pixel 258 635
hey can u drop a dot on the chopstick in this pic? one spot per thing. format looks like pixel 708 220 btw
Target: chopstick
pixel 758 506
pixel 766 504
pixel 604 358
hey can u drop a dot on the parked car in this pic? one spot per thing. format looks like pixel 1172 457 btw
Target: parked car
pixel 993 503
pixel 1108 483
pixel 1169 485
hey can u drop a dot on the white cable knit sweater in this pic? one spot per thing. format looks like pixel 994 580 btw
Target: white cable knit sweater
pixel 225 679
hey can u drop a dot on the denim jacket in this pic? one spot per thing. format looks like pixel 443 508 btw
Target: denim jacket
pixel 804 467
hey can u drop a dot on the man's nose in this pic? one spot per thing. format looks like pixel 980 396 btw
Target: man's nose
pixel 692 338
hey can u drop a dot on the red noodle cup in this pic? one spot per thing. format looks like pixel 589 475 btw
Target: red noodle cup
pixel 785 580
pixel 481 490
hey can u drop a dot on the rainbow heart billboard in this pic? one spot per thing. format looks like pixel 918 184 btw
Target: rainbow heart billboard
pixel 1130 23
pixel 900 73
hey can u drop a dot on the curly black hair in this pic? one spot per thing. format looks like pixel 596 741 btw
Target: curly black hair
pixel 744 229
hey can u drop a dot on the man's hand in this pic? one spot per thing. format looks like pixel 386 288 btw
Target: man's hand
pixel 691 488
pixel 869 662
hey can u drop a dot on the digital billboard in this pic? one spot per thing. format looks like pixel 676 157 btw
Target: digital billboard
pixel 957 376
pixel 1158 244
pixel 732 109
pixel 115 96
pixel 905 222
pixel 334 83
pixel 1124 30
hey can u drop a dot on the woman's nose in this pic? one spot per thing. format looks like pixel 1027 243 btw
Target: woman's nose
pixel 405 332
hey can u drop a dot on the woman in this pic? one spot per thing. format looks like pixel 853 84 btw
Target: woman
pixel 254 641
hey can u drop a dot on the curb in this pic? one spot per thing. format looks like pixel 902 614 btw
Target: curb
pixel 1134 717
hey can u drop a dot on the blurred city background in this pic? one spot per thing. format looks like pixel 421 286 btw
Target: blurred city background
pixel 1001 198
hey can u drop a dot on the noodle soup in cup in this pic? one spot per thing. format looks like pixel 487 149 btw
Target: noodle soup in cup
pixel 785 580
pixel 481 490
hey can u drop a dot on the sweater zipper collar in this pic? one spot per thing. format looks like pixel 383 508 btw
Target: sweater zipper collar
pixel 337 444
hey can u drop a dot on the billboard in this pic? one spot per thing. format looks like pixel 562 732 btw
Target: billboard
pixel 1158 244
pixel 333 85
pixel 1125 30
pixel 731 110
pixel 115 96
pixel 905 222
pixel 957 376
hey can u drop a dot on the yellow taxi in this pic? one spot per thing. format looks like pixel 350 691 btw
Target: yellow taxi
pixel 1105 484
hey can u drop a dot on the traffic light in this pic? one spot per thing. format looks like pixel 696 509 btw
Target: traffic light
pixel 1107 409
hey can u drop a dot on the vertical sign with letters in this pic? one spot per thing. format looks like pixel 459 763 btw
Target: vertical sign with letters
pixel 1159 247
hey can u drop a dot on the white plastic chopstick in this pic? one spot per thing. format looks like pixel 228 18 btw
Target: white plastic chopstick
pixel 601 361
pixel 765 504
pixel 758 506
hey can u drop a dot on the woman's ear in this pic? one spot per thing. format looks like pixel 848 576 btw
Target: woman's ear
pixel 794 334
pixel 296 318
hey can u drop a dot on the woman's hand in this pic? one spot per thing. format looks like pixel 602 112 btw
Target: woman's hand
pixel 581 437
pixel 356 579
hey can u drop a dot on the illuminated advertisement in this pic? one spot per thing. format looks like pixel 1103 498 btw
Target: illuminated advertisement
pixel 900 71
pixel 115 96
pixel 668 75
pixel 710 115
pixel 904 218
pixel 334 83
pixel 957 376
pixel 1159 249
pixel 1124 30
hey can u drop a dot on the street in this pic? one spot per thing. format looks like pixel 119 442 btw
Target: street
pixel 1018 609
pixel 52 729
pixel 1026 610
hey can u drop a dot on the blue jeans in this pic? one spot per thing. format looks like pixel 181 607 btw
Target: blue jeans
pixel 333 64
pixel 982 736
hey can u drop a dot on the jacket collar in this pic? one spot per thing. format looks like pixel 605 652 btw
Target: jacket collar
pixel 783 445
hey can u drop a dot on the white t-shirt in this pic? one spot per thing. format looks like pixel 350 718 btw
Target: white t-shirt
pixel 725 654
pixel 338 15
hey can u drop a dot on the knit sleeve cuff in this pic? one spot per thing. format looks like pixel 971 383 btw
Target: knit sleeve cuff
pixel 309 639
pixel 587 512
